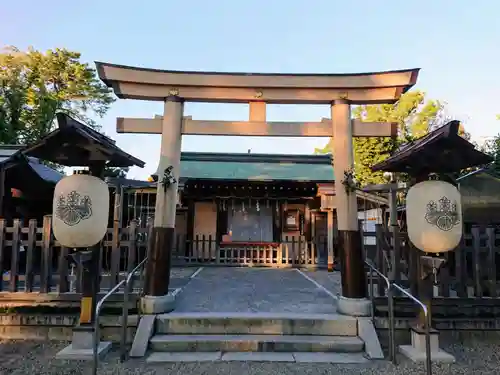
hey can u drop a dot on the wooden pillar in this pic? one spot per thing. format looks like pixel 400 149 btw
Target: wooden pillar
pixel 393 224
pixel 2 190
pixel 349 241
pixel 190 228
pixel 91 271
pixel 162 241
pixel 330 228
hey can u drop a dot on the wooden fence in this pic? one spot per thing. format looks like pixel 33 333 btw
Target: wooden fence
pixel 466 287
pixel 32 261
pixel 36 269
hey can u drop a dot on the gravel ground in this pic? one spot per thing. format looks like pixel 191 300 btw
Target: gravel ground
pixel 232 289
pixel 481 356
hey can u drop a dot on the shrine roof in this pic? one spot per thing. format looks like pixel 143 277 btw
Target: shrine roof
pixel 256 167
pixel 18 165
pixel 75 144
pixel 440 151
pixel 247 167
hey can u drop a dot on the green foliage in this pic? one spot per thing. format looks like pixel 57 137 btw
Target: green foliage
pixel 415 117
pixel 492 147
pixel 35 85
pixel 116 172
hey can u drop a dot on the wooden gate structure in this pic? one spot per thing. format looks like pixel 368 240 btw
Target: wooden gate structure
pixel 174 88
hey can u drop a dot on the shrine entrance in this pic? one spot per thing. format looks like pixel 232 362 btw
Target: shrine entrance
pixel 340 91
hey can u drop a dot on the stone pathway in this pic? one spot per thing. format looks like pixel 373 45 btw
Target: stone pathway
pixel 234 289
pixel 329 280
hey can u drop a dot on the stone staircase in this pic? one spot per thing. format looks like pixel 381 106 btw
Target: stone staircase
pixel 199 336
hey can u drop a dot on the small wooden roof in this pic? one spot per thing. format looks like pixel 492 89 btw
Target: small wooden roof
pixel 441 151
pixel 75 144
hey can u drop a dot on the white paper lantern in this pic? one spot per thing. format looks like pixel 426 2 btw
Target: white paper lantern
pixel 434 216
pixel 80 210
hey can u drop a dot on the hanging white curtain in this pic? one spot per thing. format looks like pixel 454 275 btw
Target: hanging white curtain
pixel 251 224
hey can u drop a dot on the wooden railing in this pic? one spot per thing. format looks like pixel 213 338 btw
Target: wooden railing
pixel 292 251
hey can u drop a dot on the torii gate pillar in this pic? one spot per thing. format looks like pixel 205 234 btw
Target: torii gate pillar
pixel 157 298
pixel 353 300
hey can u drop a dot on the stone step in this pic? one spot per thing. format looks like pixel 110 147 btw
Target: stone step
pixel 256 323
pixel 255 343
pixel 298 357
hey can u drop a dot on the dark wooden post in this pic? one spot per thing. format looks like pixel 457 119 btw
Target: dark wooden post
pixel 91 271
pixel 425 278
pixel 2 188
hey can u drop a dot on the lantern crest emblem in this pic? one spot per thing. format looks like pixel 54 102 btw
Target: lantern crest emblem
pixel 73 208
pixel 444 216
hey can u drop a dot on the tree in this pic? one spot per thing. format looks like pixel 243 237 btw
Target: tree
pixel 492 147
pixel 35 85
pixel 116 172
pixel 415 116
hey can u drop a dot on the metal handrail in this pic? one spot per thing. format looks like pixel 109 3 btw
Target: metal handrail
pixel 124 336
pixel 392 335
pixel 390 299
pixel 427 327
pixel 98 308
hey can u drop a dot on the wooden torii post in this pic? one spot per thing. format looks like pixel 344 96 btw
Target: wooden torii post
pixel 340 91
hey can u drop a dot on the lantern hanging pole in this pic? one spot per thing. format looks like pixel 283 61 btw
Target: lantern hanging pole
pixel 89 259
pixel 425 282
pixel 91 274
pixel 81 209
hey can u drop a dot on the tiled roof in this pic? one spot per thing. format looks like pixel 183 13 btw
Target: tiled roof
pixel 11 155
pixel 256 167
pixel 75 144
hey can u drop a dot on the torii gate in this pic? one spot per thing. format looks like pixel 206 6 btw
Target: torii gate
pixel 176 87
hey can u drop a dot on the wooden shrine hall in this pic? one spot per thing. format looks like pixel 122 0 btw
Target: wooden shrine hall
pixel 248 203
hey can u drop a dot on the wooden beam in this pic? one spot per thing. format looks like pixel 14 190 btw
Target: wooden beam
pixel 142 91
pixel 322 128
pixel 257 111
pixel 122 73
pixel 129 82
pixel 386 187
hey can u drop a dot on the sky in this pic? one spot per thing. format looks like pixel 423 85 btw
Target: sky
pixel 455 43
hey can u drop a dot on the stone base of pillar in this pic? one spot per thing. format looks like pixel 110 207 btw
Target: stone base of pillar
pixel 331 267
pixel 416 351
pixel 353 306
pixel 81 347
pixel 158 304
